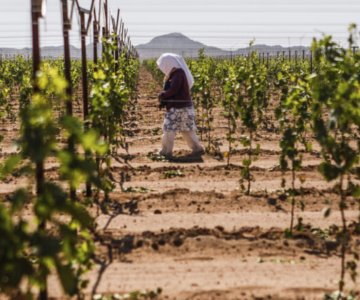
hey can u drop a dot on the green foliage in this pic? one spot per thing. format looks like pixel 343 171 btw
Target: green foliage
pixel 230 96
pixel 135 295
pixel 335 89
pixel 114 85
pixel 4 103
pixel 203 70
pixel 252 104
pixel 35 248
pixel 13 76
pixel 108 96
pixel 338 295
pixel 294 116
pixel 151 66
pixel 173 174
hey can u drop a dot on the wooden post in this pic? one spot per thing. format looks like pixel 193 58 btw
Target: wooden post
pixel 85 93
pixel 116 38
pixel 35 45
pixel 121 32
pixel 96 29
pixel 354 48
pixel 106 10
pixel 67 57
pixel 36 13
pixel 67 72
pixel 96 41
pixel 84 66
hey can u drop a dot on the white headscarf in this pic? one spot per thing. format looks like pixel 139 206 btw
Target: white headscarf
pixel 168 61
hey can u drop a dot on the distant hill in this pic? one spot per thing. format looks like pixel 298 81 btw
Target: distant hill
pixel 176 43
pixel 173 42
pixel 181 44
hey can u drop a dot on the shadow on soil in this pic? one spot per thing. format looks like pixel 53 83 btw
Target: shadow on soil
pixel 186 159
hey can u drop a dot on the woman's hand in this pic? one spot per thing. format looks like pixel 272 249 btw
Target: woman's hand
pixel 161 101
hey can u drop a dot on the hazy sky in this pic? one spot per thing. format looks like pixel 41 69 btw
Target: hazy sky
pixel 227 24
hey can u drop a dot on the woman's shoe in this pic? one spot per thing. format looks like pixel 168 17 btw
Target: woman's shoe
pixel 166 155
pixel 198 152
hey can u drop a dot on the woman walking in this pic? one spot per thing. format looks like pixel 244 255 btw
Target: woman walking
pixel 180 113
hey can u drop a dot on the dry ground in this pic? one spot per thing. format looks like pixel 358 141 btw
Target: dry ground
pixel 197 236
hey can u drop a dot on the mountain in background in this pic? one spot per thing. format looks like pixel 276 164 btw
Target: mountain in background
pixel 173 42
pixel 176 43
pixel 181 44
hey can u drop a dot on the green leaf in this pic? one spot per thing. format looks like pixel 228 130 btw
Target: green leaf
pixel 246 163
pixel 327 212
pixel 356 192
pixel 79 213
pixel 329 171
pixel 9 165
pixel 67 278
pixel 18 199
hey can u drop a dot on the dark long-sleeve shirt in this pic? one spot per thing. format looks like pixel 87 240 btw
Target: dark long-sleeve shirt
pixel 177 92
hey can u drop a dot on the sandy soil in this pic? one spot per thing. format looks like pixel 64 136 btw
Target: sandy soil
pixel 196 235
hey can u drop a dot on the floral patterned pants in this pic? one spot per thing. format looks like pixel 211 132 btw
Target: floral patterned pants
pixel 180 120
